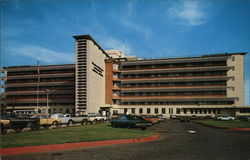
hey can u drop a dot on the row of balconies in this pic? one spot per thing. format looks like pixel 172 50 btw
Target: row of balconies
pixel 168 89
pixel 169 85
pixel 62 87
pixel 42 76
pixel 179 99
pixel 65 83
pixel 149 97
pixel 34 100
pixel 175 70
pixel 179 79
pixel 34 92
pixel 81 73
pixel 176 61
pixel 189 75
pixel 173 93
pixel 41 72
pixel 41 68
pixel 35 80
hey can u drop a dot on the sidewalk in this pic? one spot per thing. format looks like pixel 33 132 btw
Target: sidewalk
pixel 56 147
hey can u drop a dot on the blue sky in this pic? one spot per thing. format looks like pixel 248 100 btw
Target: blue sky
pixel 145 28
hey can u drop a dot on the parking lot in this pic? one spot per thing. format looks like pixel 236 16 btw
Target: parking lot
pixel 175 143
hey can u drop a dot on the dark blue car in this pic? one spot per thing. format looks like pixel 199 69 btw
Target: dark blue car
pixel 130 121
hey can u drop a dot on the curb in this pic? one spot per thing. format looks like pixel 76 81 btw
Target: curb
pixel 240 129
pixel 65 146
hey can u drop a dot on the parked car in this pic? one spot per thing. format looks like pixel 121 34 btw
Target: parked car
pixel 161 118
pixel 184 119
pixel 225 118
pixel 243 118
pixel 173 117
pixel 130 121
pixel 96 118
pixel 18 124
pixel 152 119
pixel 46 121
pixel 5 124
pixel 69 119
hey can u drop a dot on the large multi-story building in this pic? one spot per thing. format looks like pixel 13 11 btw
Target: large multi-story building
pixel 108 80
pixel 28 87
pixel 192 85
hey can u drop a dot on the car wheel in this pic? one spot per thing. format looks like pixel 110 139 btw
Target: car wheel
pixel 46 126
pixel 70 123
pixel 84 122
pixel 55 123
pixel 2 129
pixel 29 125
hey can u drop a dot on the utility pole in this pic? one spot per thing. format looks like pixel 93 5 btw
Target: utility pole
pixel 47 91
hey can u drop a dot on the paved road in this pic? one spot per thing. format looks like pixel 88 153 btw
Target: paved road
pixel 175 144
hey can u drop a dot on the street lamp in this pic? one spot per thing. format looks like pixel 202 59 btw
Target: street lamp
pixel 47 91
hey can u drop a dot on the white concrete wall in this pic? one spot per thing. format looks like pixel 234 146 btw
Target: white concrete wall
pixel 95 83
pixel 238 82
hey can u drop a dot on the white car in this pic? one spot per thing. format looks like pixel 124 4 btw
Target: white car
pixel 68 119
pixel 225 118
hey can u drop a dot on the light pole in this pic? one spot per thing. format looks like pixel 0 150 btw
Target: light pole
pixel 47 91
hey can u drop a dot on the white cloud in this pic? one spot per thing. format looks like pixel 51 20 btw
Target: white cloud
pixel 189 12
pixel 127 20
pixel 112 43
pixel 45 55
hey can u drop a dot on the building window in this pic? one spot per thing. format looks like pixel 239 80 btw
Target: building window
pixel 209 111
pixel 54 110
pixel 115 112
pixel 163 110
pixel 156 111
pixel 60 110
pixel 192 111
pixel 200 111
pixel 205 111
pixel 214 111
pixel 196 111
pixel 218 111
pixel 141 110
pixel 125 110
pixel 67 110
pixel 185 111
pixel 148 110
pixel 170 110
pixel 115 66
pixel 178 110
pixel 133 110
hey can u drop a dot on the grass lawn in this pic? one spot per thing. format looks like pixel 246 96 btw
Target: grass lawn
pixel 226 124
pixel 96 132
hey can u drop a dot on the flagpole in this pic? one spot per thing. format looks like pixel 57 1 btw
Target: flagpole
pixel 38 81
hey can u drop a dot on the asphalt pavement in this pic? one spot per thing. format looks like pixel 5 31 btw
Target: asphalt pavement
pixel 176 143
